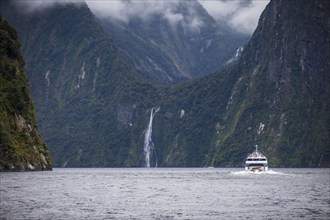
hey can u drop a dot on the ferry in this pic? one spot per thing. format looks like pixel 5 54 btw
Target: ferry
pixel 256 162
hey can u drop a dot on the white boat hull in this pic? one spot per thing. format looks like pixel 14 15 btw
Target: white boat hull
pixel 256 162
pixel 256 168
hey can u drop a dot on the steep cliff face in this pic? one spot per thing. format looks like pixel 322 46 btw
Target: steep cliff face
pixel 76 75
pixel 21 147
pixel 277 96
pixel 281 98
pixel 95 108
pixel 179 44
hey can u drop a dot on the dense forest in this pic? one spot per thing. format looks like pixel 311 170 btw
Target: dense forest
pixel 93 100
pixel 21 147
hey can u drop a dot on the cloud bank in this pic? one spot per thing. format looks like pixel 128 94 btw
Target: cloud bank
pixel 125 10
pixel 31 6
pixel 241 15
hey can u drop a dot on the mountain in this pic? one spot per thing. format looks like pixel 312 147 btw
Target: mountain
pixel 21 146
pixel 75 75
pixel 281 99
pixel 179 41
pixel 82 85
pixel 96 109
pixel 277 96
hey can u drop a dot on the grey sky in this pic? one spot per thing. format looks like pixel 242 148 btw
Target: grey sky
pixel 242 15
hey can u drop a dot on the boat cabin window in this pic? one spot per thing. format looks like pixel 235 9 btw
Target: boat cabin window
pixel 258 159
pixel 256 165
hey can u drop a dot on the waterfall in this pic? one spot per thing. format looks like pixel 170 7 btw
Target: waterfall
pixel 149 147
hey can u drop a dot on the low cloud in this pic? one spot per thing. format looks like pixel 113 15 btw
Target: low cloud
pixel 31 6
pixel 125 10
pixel 241 15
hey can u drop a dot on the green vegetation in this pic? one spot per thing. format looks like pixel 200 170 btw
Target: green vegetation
pixel 171 53
pixel 21 147
pixel 93 106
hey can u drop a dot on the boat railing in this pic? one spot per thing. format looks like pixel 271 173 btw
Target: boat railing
pixel 256 159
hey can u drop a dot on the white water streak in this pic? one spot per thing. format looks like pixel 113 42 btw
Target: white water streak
pixel 149 147
pixel 247 172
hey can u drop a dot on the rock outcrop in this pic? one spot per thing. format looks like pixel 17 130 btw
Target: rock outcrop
pixel 21 146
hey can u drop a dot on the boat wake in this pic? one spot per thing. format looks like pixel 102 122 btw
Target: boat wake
pixel 248 172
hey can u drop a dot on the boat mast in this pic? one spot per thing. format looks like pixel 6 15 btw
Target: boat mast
pixel 256 148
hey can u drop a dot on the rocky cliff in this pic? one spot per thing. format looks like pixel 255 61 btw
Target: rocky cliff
pixel 21 147
pixel 176 41
pixel 277 96
pixel 95 107
pixel 281 97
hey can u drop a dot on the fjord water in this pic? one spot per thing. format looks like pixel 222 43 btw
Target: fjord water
pixel 165 193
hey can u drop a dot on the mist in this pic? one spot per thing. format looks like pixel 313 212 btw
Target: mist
pixel 240 15
pixel 32 6
pixel 124 11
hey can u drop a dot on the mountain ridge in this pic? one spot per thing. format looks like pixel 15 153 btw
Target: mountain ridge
pixel 192 46
pixel 21 146
pixel 289 69
pixel 273 96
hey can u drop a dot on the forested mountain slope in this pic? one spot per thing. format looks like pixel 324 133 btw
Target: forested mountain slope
pixel 282 96
pixel 75 74
pixel 179 41
pixel 21 146
pixel 277 96
pixel 94 107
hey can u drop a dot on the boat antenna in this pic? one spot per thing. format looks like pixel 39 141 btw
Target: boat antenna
pixel 256 148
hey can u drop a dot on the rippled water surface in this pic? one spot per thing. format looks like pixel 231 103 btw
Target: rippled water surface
pixel 165 193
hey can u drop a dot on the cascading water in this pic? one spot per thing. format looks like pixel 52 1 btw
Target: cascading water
pixel 149 147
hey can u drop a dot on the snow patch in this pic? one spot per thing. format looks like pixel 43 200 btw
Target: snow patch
pixel 47 78
pixel 260 128
pixel 81 76
pixel 182 113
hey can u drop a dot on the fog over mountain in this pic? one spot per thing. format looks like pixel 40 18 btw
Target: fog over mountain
pixel 240 15
pixel 98 82
pixel 171 41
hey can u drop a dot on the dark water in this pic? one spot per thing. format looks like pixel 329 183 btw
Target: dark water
pixel 165 194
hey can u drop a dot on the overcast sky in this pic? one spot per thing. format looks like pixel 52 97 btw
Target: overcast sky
pixel 239 15
pixel 242 15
